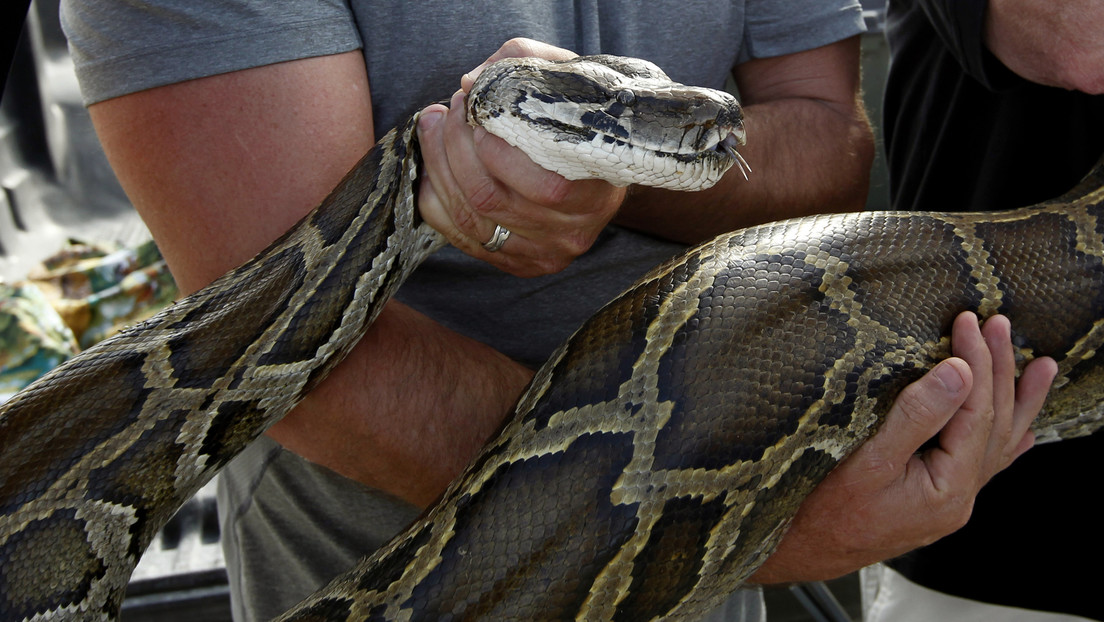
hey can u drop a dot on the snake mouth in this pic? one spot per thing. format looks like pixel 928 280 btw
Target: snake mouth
pixel 727 146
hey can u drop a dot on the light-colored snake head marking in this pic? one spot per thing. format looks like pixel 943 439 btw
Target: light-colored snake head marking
pixel 618 119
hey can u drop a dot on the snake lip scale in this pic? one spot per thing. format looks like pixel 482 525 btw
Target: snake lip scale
pixel 657 457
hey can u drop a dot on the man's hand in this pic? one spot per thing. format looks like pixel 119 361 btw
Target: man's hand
pixel 475 181
pixel 887 499
pixel 1051 43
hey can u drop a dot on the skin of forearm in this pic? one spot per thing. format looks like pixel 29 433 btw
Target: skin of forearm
pixel 231 186
pixel 373 420
pixel 420 440
pixel 806 158
pixel 393 433
pixel 437 431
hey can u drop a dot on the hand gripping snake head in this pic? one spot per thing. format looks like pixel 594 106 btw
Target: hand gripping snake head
pixel 607 117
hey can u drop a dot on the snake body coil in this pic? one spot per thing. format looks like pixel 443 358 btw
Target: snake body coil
pixel 652 464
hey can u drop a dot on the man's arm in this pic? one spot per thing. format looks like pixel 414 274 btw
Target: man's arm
pixel 810 148
pixel 221 166
pixel 809 144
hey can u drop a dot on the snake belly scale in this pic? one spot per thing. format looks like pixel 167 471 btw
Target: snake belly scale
pixel 654 461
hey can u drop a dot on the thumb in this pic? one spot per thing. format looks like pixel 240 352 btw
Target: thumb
pixel 920 412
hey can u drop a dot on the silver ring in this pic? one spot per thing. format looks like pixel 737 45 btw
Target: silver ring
pixel 498 238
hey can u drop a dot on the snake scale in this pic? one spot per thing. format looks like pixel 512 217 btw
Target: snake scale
pixel 653 462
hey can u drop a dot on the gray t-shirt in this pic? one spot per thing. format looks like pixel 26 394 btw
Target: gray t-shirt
pixel 288 525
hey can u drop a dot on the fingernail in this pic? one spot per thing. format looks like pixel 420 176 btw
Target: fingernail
pixel 949 376
pixel 429 119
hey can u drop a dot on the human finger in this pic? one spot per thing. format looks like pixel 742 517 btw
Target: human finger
pixel 920 411
pixel 517 48
pixel 877 503
pixel 475 192
pixel 1031 393
pixel 498 183
pixel 1016 403
pixel 438 187
pixel 958 462
pixel 575 199
pixel 477 199
pixel 997 334
pixel 476 206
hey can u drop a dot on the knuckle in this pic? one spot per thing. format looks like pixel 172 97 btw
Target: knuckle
pixel 952 512
pixel 614 199
pixel 555 190
pixel 510 265
pixel 1073 74
pixel 575 244
pixel 484 196
pixel 464 217
pixel 527 271
pixel 550 264
pixel 960 515
pixel 526 267
pixel 988 417
pixel 1092 84
pixel 518 46
pixel 914 407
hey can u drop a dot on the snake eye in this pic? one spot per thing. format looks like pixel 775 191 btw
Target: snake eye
pixel 626 97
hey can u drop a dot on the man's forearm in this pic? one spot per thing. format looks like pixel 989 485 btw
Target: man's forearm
pixel 252 151
pixel 408 409
pixel 810 148
pixel 805 157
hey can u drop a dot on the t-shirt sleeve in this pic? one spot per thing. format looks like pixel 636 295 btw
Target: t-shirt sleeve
pixel 777 28
pixel 124 46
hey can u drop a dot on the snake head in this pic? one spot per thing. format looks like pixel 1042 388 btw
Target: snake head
pixel 613 118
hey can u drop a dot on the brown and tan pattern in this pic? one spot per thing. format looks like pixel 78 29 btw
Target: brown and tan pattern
pixel 653 463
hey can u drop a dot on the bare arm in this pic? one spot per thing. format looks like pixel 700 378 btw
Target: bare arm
pixel 1052 43
pixel 232 161
pixel 221 166
pixel 809 143
pixel 810 147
